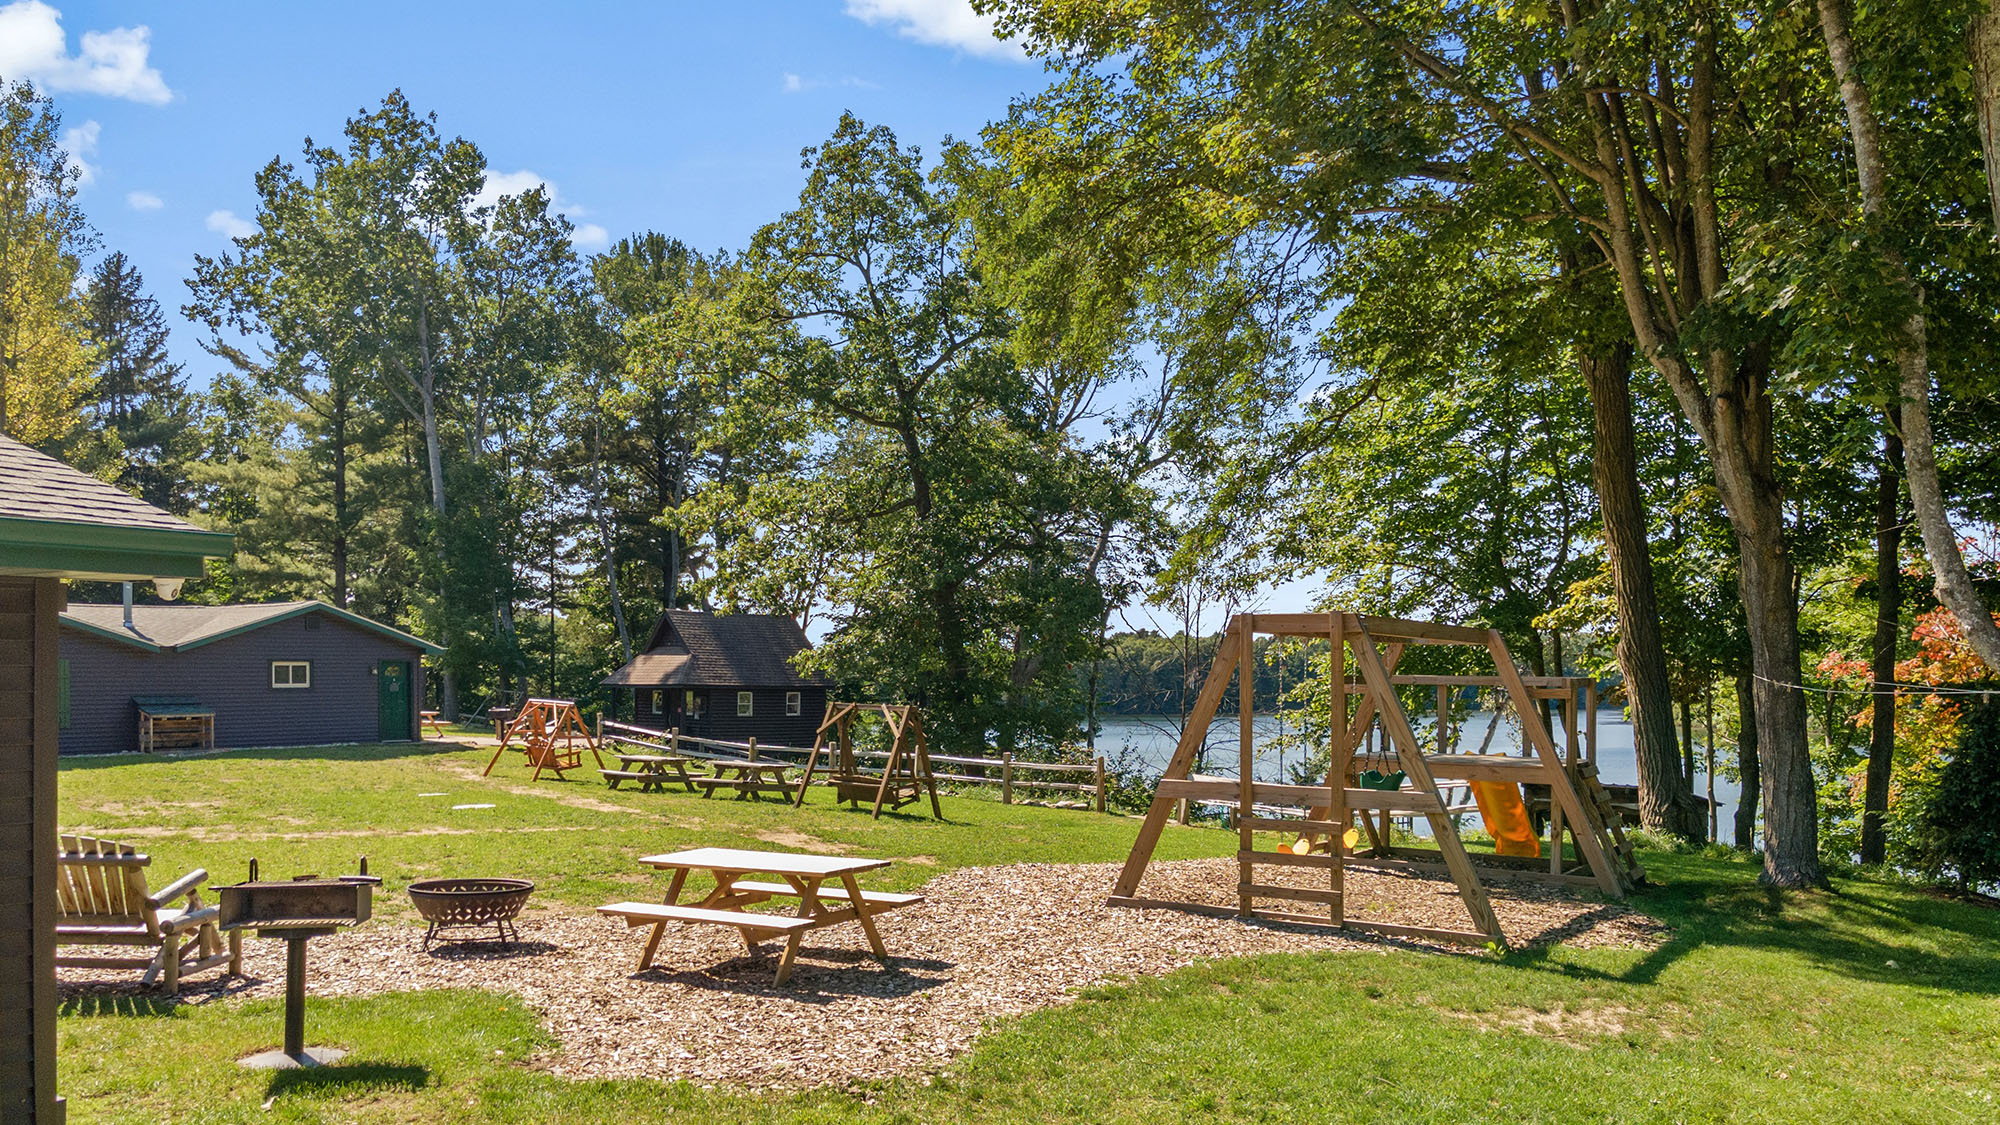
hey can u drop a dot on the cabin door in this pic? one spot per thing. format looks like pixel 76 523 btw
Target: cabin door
pixel 392 692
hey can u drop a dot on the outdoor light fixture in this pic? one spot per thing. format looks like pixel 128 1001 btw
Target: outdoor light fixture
pixel 168 588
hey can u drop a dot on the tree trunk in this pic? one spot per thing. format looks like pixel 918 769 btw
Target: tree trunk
pixel 1953 581
pixel 1746 761
pixel 1985 44
pixel 339 427
pixel 1888 630
pixel 1664 804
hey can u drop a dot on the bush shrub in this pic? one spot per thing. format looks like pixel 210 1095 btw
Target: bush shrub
pixel 1960 823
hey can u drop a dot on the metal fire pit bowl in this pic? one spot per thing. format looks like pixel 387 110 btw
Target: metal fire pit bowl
pixel 466 903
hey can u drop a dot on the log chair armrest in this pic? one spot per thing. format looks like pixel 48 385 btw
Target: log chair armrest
pixel 185 885
pixel 191 919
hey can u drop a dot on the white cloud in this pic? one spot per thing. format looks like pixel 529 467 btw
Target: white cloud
pixel 145 201
pixel 798 84
pixel 80 143
pixel 941 23
pixel 585 236
pixel 229 224
pixel 33 45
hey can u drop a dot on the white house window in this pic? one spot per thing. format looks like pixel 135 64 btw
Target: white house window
pixel 791 703
pixel 659 703
pixel 291 673
pixel 696 704
pixel 743 703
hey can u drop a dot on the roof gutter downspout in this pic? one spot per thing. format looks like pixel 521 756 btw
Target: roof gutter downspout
pixel 128 607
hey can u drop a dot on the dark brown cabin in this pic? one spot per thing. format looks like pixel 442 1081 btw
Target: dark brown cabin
pixel 726 676
pixel 55 523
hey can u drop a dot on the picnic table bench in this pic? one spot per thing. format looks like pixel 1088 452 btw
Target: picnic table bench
pixel 430 721
pixel 651 771
pixel 804 878
pixel 746 777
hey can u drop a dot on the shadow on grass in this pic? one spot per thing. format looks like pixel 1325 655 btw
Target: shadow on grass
pixel 97 1004
pixel 1870 931
pixel 363 752
pixel 377 1076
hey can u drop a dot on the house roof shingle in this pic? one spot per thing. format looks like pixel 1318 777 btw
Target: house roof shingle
pixel 190 626
pixel 695 649
pixel 37 487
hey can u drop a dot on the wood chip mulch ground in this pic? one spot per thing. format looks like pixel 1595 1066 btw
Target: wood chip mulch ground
pixel 987 943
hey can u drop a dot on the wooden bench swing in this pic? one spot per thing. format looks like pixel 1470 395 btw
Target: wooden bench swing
pixel 548 731
pixel 1375 645
pixel 905 777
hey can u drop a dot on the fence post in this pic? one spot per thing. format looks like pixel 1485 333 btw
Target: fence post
pixel 1007 777
pixel 1100 783
pixel 753 747
pixel 674 741
pixel 1182 811
pixel 600 728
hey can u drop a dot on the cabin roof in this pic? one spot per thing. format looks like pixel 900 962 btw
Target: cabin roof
pixel 691 648
pixel 158 628
pixel 60 523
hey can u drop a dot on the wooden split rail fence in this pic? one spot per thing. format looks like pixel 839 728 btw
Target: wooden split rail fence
pixel 1005 772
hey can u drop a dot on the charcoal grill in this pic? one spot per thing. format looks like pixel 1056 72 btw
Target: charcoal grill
pixel 470 903
pixel 296 910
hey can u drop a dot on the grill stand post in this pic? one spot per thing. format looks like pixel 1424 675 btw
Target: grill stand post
pixel 295 1053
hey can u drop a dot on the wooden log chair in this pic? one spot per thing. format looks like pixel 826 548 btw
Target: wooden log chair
pixel 102 900
pixel 1374 645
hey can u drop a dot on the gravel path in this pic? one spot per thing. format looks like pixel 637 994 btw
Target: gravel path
pixel 988 943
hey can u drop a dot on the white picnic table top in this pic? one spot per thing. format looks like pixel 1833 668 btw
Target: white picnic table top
pixel 743 861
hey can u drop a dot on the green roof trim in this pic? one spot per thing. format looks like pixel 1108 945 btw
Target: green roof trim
pixel 69 549
pixel 318 607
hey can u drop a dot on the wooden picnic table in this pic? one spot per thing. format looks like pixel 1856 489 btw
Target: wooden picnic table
pixel 804 877
pixel 651 771
pixel 430 721
pixel 746 777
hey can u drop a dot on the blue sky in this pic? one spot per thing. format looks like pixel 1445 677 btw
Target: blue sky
pixel 682 118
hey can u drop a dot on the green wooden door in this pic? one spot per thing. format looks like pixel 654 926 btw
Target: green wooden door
pixel 392 690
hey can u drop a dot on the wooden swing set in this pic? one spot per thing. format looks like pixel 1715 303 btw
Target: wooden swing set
pixel 548 731
pixel 1576 802
pixel 905 777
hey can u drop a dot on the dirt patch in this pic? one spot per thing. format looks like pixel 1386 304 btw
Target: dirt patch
pixel 986 944
pixel 1571 1027
pixel 805 841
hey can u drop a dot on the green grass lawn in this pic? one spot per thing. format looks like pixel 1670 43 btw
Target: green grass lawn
pixel 1876 1002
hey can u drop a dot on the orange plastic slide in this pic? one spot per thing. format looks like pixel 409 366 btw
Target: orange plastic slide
pixel 1506 818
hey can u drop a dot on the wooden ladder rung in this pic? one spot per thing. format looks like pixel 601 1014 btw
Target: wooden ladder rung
pixel 1286 859
pixel 1294 894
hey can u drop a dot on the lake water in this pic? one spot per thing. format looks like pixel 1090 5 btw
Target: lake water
pixel 1148 743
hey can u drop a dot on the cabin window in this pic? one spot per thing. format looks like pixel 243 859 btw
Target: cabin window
pixel 791 703
pixel 696 704
pixel 291 673
pixel 659 703
pixel 743 704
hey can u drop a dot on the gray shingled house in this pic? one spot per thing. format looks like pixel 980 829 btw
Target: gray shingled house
pixel 727 676
pixel 55 524
pixel 276 674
